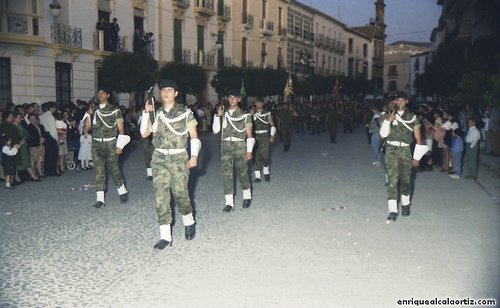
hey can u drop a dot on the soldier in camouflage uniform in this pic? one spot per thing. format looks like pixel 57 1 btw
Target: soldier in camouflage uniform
pixel 171 127
pixel 236 126
pixel 400 127
pixel 331 121
pixel 285 125
pixel 264 130
pixel 105 122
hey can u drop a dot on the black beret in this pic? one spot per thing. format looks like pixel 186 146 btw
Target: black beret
pixel 168 83
pixel 401 94
pixel 233 92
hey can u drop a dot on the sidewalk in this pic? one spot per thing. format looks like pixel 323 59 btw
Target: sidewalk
pixel 490 161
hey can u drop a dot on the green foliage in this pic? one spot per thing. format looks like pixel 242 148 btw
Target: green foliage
pixel 129 72
pixel 190 78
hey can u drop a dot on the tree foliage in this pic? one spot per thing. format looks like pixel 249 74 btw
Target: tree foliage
pixel 129 72
pixel 190 78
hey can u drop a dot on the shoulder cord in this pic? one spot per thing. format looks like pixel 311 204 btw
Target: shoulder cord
pixel 258 116
pixel 230 119
pixel 100 114
pixel 160 115
pixel 399 119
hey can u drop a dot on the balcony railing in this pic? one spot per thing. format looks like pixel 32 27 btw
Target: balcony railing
pixel 224 12
pixel 182 55
pixel 247 20
pixel 228 61
pixel 99 44
pixel 206 59
pixel 66 35
pixel 267 27
pixel 283 31
pixel 321 40
pixel 205 7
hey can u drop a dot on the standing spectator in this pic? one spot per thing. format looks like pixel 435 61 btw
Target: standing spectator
pixel 73 138
pixel 23 157
pixel 36 144
pixel 62 130
pixel 114 28
pixel 485 131
pixel 457 148
pixel 236 126
pixel 400 127
pixel 105 124
pixel 48 121
pixel 85 152
pixel 172 126
pixel 472 148
pixel 8 128
pixel 9 152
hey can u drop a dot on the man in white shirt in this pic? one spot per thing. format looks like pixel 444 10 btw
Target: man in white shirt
pixel 48 121
pixel 471 150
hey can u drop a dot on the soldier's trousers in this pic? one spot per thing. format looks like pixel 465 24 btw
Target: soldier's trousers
pixel 104 157
pixel 286 135
pixel 233 155
pixel 148 151
pixel 398 169
pixel 261 152
pixel 332 130
pixel 170 175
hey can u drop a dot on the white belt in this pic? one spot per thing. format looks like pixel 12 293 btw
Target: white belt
pixel 263 131
pixel 103 139
pixel 171 151
pixel 398 143
pixel 233 139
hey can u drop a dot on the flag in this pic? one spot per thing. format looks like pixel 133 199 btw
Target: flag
pixel 336 89
pixel 289 86
pixel 243 93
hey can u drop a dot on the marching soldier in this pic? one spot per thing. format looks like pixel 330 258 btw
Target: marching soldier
pixel 400 127
pixel 331 121
pixel 105 122
pixel 264 135
pixel 236 126
pixel 172 126
pixel 285 125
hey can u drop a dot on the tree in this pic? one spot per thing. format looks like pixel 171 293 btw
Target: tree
pixel 191 78
pixel 127 72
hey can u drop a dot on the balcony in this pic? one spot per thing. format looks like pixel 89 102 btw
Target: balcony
pixel 320 41
pixel 205 8
pixel 282 31
pixel 392 74
pixel 266 27
pixel 182 55
pixel 66 35
pixel 181 4
pixel 206 59
pixel 342 48
pixel 228 61
pixel 247 21
pixel 333 44
pixel 99 43
pixel 224 13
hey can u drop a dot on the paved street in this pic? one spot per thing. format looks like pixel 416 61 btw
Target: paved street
pixel 315 236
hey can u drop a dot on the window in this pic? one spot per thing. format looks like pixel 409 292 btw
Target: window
pixel 417 64
pixel 63 82
pixel 5 82
pixel 177 40
pixel 350 45
pixel 350 67
pixel 365 50
pixel 393 71
pixel 20 17
pixel 244 52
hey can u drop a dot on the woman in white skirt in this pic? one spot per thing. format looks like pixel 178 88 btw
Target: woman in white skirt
pixel 85 153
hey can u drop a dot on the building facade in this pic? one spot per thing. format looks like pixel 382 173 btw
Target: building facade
pixel 397 65
pixel 53 50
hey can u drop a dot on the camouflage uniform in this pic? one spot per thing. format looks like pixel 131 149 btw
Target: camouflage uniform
pixel 233 149
pixel 286 128
pixel 261 132
pixel 398 158
pixel 170 171
pixel 331 122
pixel 104 133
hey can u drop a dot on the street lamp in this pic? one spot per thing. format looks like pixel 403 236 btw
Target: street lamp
pixel 55 9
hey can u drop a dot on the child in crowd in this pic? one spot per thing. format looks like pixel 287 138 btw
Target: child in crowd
pixel 85 153
pixel 8 160
pixel 457 148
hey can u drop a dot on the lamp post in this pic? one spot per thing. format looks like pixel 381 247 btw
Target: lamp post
pixel 55 9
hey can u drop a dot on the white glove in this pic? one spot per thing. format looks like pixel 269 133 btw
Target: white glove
pixel 122 141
